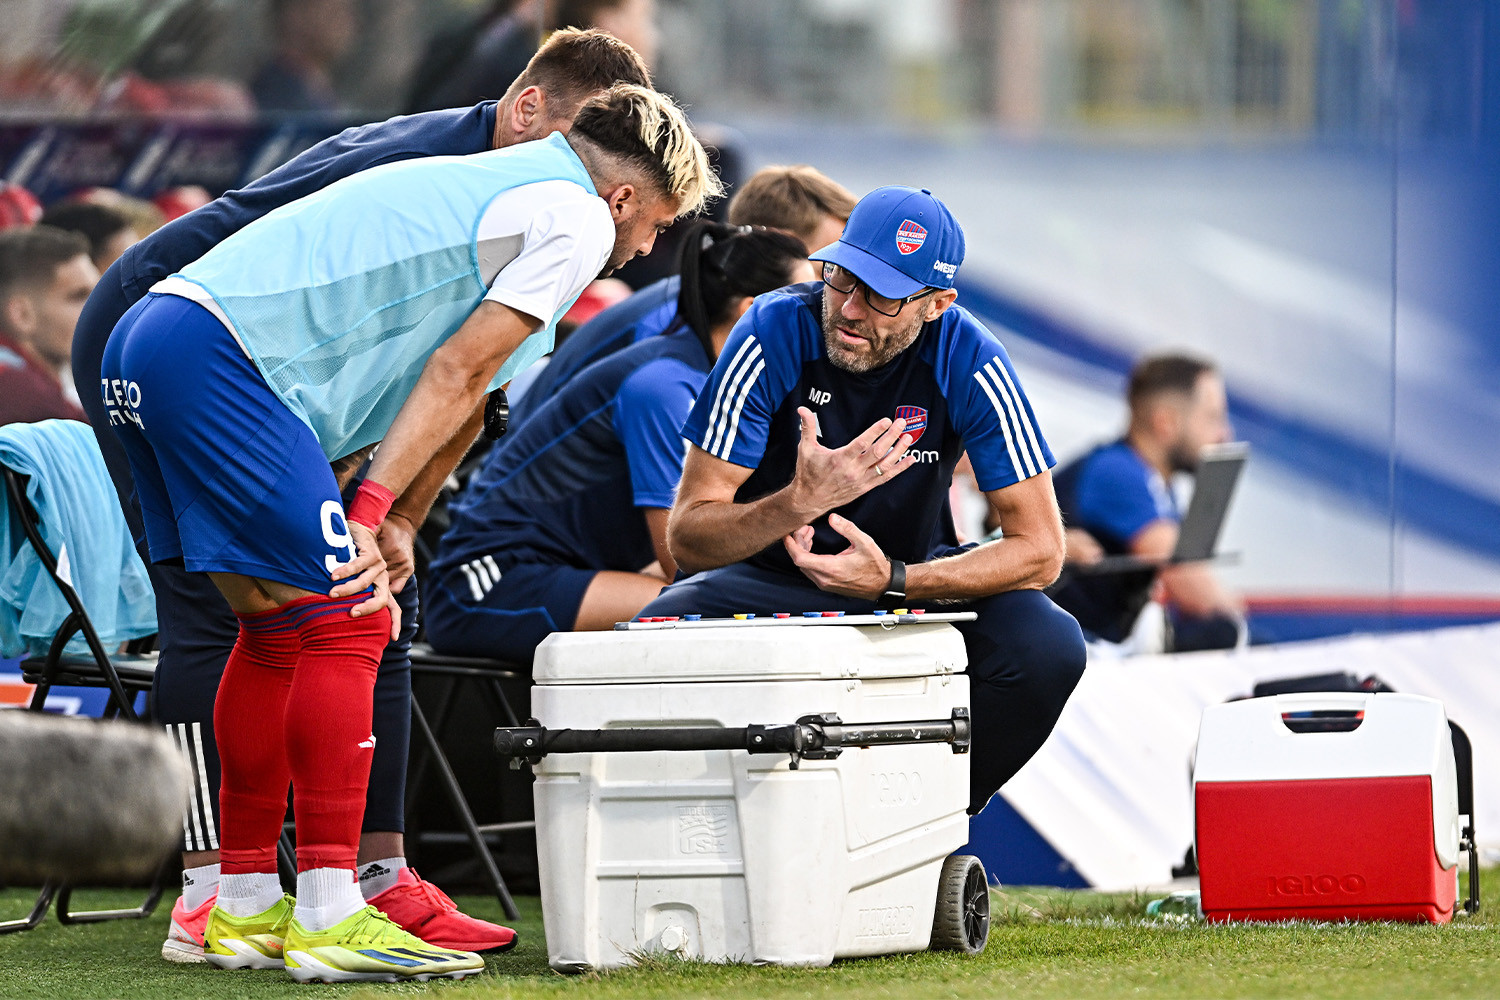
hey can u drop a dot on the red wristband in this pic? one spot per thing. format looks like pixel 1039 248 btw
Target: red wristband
pixel 372 502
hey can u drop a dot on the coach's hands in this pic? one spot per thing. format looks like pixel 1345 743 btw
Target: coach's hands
pixel 861 570
pixel 367 569
pixel 828 478
pixel 397 540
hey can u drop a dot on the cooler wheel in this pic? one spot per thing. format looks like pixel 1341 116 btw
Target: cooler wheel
pixel 962 919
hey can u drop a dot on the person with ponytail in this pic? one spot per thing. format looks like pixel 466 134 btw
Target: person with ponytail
pixel 564 526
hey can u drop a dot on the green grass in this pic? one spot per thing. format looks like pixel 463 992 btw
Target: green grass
pixel 1044 943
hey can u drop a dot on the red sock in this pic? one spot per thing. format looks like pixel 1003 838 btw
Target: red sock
pixel 328 741
pixel 248 713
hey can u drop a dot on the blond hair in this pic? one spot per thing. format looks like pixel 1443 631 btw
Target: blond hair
pixel 646 130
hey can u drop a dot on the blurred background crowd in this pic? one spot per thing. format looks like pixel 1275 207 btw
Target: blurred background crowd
pixel 1246 67
pixel 1303 191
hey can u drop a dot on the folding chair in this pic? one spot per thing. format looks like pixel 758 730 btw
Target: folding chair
pixel 124 675
pixel 459 673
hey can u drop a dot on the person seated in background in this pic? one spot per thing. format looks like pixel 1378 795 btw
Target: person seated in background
pixel 19 208
pixel 145 217
pixel 796 199
pixel 109 232
pixel 479 57
pixel 1117 499
pixel 310 37
pixel 564 528
pixel 45 278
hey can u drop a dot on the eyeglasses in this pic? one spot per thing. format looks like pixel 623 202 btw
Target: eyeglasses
pixel 845 283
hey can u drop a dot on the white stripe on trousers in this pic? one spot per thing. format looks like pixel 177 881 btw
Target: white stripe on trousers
pixel 198 829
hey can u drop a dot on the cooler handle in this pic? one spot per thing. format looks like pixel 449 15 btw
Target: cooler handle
pixel 812 737
pixel 1322 712
pixel 1323 701
pixel 1463 760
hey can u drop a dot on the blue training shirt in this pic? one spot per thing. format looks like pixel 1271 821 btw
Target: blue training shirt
pixel 645 314
pixel 1113 494
pixel 954 385
pixel 454 132
pixel 565 487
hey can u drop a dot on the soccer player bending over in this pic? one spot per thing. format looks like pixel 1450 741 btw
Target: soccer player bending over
pixel 382 308
pixel 198 629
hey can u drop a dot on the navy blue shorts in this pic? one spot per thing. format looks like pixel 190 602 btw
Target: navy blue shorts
pixel 481 608
pixel 229 479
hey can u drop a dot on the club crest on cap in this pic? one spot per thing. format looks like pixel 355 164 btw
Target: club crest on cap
pixel 910 237
pixel 916 420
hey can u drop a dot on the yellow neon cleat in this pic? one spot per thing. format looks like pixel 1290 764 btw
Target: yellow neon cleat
pixel 370 947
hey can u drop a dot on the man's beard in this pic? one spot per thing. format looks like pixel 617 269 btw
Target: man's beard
pixel 877 355
pixel 618 257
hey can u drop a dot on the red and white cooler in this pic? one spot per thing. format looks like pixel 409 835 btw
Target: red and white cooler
pixel 1329 806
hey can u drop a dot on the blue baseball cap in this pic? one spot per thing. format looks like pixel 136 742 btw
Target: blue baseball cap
pixel 899 240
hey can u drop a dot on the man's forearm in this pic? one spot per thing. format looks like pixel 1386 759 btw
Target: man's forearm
pixel 713 533
pixel 443 401
pixel 417 499
pixel 992 568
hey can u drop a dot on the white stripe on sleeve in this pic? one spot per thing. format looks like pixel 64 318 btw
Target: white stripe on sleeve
pixel 1028 465
pixel 1025 421
pixel 739 407
pixel 724 400
pixel 1010 445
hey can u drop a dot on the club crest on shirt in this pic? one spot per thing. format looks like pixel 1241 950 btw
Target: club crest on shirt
pixel 910 237
pixel 916 420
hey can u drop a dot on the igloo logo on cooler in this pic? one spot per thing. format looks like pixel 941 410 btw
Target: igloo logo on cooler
pixel 910 237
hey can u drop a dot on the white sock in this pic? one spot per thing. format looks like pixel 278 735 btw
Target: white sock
pixel 376 877
pixel 248 894
pixel 199 884
pixel 326 896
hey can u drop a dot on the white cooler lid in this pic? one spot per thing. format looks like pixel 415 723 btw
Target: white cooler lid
pixel 706 653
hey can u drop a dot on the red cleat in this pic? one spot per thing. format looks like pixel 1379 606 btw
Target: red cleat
pixel 184 943
pixel 423 909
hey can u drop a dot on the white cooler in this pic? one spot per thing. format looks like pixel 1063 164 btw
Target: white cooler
pixel 722 855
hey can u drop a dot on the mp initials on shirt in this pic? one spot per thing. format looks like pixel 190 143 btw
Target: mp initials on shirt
pixel 954 386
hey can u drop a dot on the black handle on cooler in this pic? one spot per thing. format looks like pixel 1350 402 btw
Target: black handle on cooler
pixel 1463 759
pixel 812 737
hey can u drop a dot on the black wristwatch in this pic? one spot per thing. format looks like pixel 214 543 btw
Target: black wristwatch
pixel 496 415
pixel 895 590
